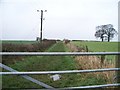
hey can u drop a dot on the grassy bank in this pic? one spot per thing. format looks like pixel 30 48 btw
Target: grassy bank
pixel 40 63
pixel 46 63
pixel 23 46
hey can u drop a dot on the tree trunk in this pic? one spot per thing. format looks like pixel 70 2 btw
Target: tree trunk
pixel 102 39
pixel 109 37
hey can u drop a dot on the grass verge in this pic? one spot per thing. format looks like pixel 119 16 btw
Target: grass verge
pixel 53 63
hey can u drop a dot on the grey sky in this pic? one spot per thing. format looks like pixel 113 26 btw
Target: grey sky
pixel 71 19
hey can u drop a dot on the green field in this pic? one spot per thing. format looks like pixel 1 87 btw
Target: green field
pixel 100 47
pixel 46 63
pixel 18 42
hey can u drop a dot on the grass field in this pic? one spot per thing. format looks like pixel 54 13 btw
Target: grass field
pixel 100 47
pixel 18 42
pixel 45 63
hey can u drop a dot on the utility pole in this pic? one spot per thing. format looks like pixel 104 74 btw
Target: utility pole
pixel 41 26
pixel 41 23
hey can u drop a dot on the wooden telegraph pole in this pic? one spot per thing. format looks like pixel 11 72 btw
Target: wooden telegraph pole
pixel 40 39
pixel 41 26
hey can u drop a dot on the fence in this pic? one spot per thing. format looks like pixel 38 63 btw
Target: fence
pixel 63 72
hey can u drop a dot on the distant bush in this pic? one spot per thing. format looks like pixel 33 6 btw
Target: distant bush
pixel 79 40
pixel 66 41
pixel 33 47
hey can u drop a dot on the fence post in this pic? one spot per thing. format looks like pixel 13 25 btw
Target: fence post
pixel 118 66
pixel 86 48
pixel 102 60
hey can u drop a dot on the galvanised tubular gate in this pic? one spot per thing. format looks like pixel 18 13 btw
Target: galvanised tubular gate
pixel 59 72
pixel 56 53
pixel 63 72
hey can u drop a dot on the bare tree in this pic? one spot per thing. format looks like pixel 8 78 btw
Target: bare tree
pixel 104 31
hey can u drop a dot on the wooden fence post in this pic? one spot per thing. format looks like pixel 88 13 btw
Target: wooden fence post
pixel 102 60
pixel 87 49
pixel 118 66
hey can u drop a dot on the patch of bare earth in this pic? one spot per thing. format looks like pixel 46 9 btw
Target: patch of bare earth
pixel 92 62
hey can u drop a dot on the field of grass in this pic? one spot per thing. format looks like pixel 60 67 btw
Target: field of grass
pixel 18 42
pixel 100 47
pixel 46 63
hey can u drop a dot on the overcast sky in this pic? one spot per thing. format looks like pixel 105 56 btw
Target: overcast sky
pixel 71 19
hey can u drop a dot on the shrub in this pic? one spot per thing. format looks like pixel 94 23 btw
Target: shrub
pixel 33 47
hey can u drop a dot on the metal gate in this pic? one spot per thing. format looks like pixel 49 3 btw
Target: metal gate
pixel 64 72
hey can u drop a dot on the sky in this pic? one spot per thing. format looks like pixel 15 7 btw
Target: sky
pixel 64 19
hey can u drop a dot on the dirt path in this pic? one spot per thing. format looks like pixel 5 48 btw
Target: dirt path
pixel 92 62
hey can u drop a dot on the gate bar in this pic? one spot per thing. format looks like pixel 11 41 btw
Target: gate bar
pixel 27 77
pixel 94 86
pixel 59 72
pixel 56 53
